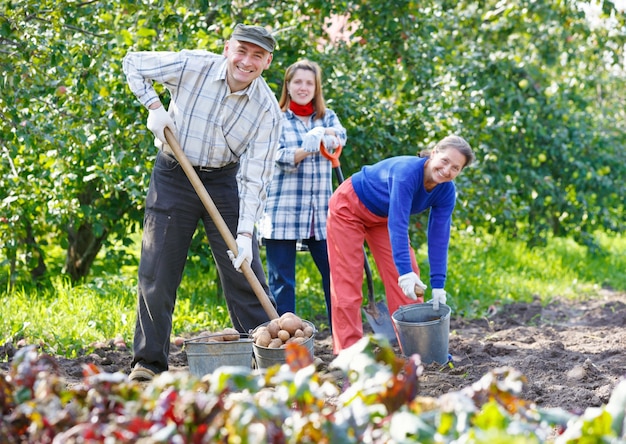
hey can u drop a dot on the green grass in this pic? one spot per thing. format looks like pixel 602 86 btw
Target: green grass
pixel 483 270
pixel 66 318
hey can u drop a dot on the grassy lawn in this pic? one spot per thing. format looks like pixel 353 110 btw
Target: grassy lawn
pixel 483 270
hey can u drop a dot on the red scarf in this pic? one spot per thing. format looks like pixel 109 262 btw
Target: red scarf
pixel 301 110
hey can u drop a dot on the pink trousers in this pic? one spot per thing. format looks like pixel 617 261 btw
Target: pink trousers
pixel 349 225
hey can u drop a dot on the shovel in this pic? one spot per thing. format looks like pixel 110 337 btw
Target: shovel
pixel 218 220
pixel 377 313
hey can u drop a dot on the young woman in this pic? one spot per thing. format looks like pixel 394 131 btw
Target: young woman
pixel 375 205
pixel 297 202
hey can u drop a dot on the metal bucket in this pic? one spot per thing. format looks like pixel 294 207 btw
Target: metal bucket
pixel 205 357
pixel 267 357
pixel 423 331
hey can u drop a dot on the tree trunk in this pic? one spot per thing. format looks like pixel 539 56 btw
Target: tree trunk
pixel 83 248
pixel 40 269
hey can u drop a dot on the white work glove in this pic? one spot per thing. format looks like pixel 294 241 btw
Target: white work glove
pixel 244 245
pixel 311 140
pixel 331 142
pixel 158 120
pixel 408 282
pixel 439 297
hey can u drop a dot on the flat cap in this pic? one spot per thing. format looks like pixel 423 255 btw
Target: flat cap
pixel 254 34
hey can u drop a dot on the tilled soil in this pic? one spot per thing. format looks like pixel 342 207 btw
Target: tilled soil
pixel 572 353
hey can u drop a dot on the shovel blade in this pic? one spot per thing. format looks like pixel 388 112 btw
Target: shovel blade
pixel 380 320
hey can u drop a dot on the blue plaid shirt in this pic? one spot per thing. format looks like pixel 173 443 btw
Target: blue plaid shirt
pixel 214 126
pixel 298 194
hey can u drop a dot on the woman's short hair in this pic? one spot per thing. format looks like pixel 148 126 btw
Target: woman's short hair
pixel 452 141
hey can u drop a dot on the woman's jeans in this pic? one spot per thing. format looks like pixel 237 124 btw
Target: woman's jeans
pixel 281 269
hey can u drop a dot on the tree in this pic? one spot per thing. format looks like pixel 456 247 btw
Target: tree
pixel 535 87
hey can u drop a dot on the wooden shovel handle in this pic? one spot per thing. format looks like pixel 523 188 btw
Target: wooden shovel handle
pixel 231 243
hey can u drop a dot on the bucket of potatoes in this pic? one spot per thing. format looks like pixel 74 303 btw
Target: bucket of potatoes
pixel 208 352
pixel 270 339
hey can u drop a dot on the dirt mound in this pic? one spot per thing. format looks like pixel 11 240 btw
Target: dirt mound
pixel 572 353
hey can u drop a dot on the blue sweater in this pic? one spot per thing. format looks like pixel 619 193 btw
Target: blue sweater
pixel 394 188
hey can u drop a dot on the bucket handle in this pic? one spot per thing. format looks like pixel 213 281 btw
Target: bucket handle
pixel 396 315
pixel 215 335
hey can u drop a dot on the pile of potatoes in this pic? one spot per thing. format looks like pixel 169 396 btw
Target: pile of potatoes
pixel 279 332
pixel 226 335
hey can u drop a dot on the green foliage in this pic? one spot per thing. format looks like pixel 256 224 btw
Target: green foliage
pixel 76 174
pixel 288 404
pixel 549 139
pixel 536 87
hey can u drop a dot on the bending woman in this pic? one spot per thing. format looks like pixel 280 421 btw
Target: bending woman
pixel 375 205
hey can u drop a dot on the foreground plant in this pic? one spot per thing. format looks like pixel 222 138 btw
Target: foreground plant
pixel 378 402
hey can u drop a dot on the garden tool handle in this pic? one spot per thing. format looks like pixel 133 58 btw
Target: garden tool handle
pixel 333 157
pixel 218 220
pixel 371 300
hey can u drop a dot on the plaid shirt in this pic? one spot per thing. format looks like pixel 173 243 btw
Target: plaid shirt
pixel 214 126
pixel 299 194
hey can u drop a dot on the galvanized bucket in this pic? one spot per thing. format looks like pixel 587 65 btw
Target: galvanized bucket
pixel 423 331
pixel 205 357
pixel 266 357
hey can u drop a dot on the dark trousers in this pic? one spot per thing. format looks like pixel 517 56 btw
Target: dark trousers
pixel 173 210
pixel 281 271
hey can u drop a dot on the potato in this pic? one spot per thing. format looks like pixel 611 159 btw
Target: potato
pixel 283 335
pixel 273 327
pixel 258 331
pixel 419 291
pixel 263 339
pixel 290 323
pixel 308 331
pixel 275 343
pixel 287 315
pixel 298 334
pixel 230 334
pixel 296 341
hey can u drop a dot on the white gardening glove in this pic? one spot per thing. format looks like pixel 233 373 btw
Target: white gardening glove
pixel 439 297
pixel 331 141
pixel 244 245
pixel 311 140
pixel 158 120
pixel 408 282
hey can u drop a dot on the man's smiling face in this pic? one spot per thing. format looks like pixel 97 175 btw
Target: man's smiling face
pixel 246 62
